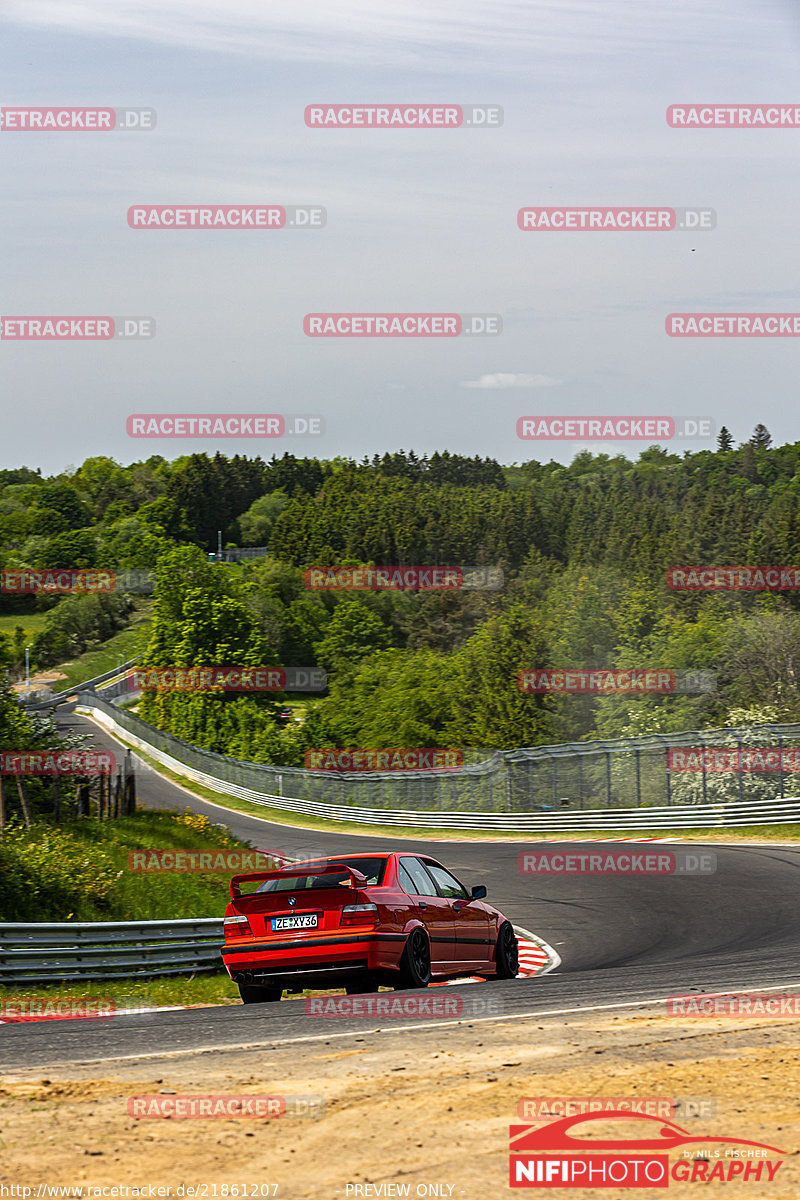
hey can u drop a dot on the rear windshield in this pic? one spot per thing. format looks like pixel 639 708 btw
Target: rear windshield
pixel 373 868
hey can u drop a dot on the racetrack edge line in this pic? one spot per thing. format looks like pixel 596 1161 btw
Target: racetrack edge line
pixel 322 1037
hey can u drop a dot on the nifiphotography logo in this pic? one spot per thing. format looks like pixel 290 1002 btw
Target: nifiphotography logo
pixel 567 1153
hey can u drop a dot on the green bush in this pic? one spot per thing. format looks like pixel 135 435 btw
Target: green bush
pixel 80 871
pixel 52 874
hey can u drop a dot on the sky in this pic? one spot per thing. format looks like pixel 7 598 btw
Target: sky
pixel 418 221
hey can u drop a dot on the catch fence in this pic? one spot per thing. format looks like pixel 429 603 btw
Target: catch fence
pixel 630 781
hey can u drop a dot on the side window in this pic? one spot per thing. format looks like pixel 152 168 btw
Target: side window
pixel 422 885
pixel 406 882
pixel 447 884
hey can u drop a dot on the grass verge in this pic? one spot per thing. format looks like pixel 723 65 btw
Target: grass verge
pixel 32 623
pixel 124 645
pixel 158 992
pixel 80 871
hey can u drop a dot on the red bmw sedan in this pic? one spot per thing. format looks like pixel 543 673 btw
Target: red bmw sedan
pixel 360 921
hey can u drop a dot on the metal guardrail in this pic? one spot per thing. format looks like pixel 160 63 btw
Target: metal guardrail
pixel 42 953
pixel 92 684
pixel 222 775
pixel 48 698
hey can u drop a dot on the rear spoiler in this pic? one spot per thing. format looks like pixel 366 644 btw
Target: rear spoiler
pixel 356 878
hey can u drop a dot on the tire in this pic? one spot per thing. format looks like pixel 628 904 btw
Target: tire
pixel 361 987
pixel 507 953
pixel 415 965
pixel 258 995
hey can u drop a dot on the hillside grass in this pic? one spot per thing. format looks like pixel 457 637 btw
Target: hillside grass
pixel 79 871
pixel 124 645
pixel 32 623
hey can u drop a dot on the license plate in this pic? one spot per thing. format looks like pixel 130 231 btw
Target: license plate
pixel 302 921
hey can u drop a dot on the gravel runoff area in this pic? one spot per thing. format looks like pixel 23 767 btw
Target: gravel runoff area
pixel 419 1107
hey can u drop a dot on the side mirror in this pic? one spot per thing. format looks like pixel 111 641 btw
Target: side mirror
pixel 478 892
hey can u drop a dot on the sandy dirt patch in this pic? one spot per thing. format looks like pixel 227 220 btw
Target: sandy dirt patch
pixel 426 1107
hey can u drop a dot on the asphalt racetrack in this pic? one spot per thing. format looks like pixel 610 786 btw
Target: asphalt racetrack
pixel 622 941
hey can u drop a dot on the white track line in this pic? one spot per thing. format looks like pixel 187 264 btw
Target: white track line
pixel 359 1033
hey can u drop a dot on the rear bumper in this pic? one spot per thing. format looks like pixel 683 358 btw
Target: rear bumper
pixel 323 961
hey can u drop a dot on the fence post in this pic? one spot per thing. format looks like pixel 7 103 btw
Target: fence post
pixel 23 799
pixel 608 772
pixel 2 804
pixel 780 760
pixel 56 801
pixel 82 800
pixel 667 767
pixel 740 771
pixel 130 789
pixel 580 779
pixel 638 778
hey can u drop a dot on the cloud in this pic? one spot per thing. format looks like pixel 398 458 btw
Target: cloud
pixel 391 32
pixel 506 380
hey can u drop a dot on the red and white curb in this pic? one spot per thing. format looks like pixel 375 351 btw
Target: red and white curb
pixel 554 838
pixel 29 1018
pixel 536 957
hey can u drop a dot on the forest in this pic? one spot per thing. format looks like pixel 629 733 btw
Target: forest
pixel 583 551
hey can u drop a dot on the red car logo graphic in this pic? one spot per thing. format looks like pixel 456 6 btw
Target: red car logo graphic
pixel 556 1136
pixel 556 1156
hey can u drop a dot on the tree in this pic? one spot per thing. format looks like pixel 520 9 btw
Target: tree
pixel 354 632
pixel 65 500
pixel 749 464
pixel 73 550
pixel 256 524
pixel 761 439
pixel 724 440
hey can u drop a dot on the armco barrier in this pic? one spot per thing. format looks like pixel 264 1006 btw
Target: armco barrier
pixel 468 792
pixel 47 698
pixel 69 950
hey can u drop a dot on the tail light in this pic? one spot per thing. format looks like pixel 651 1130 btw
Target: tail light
pixel 359 914
pixel 236 925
